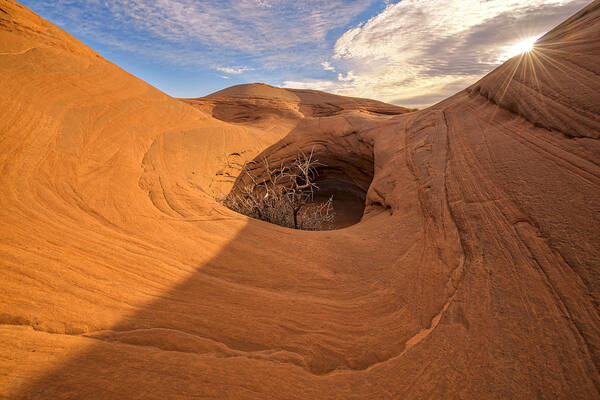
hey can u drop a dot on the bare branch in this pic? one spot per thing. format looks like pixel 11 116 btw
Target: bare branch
pixel 283 195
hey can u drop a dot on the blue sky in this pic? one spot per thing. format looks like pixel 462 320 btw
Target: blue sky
pixel 408 52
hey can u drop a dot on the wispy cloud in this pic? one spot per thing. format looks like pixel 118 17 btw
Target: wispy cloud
pixel 327 66
pixel 209 31
pixel 234 70
pixel 315 84
pixel 410 52
pixel 417 52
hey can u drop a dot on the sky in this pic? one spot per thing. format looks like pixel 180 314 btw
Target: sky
pixel 407 52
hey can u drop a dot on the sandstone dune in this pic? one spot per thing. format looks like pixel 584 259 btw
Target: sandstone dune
pixel 472 272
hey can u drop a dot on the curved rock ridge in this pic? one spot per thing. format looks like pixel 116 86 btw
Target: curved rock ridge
pixel 473 272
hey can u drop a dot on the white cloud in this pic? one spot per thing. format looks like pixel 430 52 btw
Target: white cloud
pixel 348 78
pixel 327 66
pixel 263 3
pixel 417 52
pixel 315 84
pixel 233 70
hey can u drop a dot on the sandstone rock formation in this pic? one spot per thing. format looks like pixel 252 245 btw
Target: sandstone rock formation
pixel 473 272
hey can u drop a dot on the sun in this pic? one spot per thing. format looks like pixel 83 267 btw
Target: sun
pixel 521 47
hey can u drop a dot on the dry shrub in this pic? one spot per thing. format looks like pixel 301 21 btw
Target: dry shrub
pixel 282 195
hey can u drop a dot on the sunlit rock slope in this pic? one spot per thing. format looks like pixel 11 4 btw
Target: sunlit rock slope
pixel 473 272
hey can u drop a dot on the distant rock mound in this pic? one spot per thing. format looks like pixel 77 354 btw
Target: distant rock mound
pixel 256 101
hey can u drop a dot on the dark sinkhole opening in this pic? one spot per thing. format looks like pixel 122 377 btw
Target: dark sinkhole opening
pixel 316 186
pixel 348 200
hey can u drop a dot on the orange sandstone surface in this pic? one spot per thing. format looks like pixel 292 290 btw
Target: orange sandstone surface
pixel 470 269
